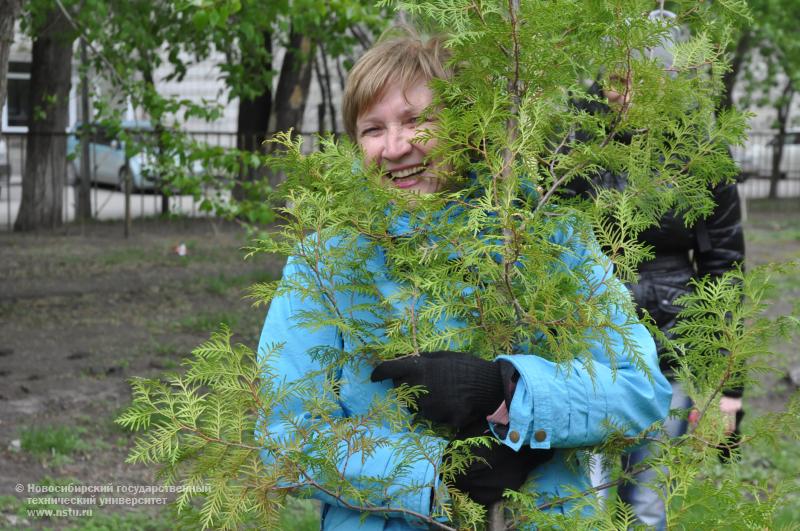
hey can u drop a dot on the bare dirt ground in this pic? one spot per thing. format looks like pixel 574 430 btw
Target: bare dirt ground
pixel 83 310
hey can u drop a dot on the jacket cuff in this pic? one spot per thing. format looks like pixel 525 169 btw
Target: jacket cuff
pixel 499 419
pixel 530 412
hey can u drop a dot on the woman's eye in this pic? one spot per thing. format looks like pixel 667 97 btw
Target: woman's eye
pixel 369 131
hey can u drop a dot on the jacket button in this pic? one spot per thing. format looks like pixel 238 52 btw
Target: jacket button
pixel 540 435
pixel 514 436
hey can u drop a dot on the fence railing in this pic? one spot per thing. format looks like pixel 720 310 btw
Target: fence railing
pixel 108 169
pixel 107 163
pixel 755 160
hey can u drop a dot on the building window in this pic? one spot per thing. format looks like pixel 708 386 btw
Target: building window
pixel 18 97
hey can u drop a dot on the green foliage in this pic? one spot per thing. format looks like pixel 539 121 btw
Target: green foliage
pixel 772 41
pixel 130 41
pixel 53 441
pixel 761 489
pixel 215 427
pixel 302 515
pixel 207 320
pixel 129 521
pixel 478 273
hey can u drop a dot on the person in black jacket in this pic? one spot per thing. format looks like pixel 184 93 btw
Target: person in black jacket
pixel 711 247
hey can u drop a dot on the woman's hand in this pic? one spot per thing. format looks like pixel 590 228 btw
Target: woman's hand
pixel 619 91
pixel 461 388
pixel 729 407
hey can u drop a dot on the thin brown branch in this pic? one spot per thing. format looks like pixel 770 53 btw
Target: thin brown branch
pixel 368 509
pixel 89 44
pixel 578 167
pixel 557 150
pixel 412 309
pixel 479 12
pixel 362 38
pixel 717 390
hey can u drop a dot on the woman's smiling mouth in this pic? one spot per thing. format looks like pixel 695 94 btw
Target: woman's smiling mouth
pixel 406 172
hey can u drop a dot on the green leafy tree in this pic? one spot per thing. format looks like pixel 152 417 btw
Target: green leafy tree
pixel 132 40
pixel 506 128
pixel 245 33
pixel 777 45
pixel 766 45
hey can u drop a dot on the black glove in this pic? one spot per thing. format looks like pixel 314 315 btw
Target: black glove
pixel 501 468
pixel 461 388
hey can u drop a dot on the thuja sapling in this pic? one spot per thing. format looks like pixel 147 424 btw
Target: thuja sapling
pixel 485 284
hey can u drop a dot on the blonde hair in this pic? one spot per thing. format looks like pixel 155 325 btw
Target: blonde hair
pixel 401 56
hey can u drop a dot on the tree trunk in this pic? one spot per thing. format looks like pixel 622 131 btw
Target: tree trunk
pixel 83 208
pixel 328 91
pixel 252 125
pixel 784 104
pixel 158 131
pixel 46 157
pixel 730 77
pixel 292 92
pixel 9 11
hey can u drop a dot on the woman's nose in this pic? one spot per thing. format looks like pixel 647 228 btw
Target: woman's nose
pixel 397 142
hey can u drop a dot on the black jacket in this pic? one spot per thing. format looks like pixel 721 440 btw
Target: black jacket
pixel 711 247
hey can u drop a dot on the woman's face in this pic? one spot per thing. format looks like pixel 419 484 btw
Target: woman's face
pixel 385 133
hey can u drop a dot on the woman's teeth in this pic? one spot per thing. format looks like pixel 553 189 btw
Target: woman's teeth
pixel 408 172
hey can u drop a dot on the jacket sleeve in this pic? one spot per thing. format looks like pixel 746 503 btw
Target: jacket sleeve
pixel 720 240
pixel 401 470
pixel 569 405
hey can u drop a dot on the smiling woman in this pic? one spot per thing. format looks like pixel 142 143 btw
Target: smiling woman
pixel 387 133
pixel 384 106
pixel 354 315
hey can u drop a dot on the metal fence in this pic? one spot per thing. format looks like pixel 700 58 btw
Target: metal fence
pixel 107 173
pixel 755 160
pixel 108 200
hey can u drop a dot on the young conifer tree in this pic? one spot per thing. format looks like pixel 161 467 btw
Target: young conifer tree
pixel 507 130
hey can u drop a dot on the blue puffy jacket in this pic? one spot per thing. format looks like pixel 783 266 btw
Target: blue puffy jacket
pixel 553 406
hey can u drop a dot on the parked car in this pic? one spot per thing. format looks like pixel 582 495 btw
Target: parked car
pixel 5 162
pixel 755 159
pixel 107 157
